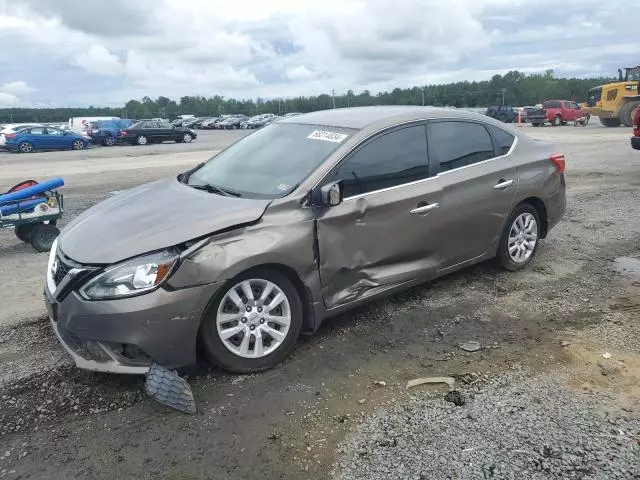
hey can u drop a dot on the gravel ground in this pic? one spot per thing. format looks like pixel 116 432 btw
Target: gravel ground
pixel 561 314
pixel 515 427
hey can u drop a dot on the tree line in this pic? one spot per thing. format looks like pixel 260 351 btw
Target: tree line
pixel 513 88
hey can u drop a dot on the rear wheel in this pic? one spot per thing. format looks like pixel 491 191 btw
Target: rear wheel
pixel 626 113
pixel 610 122
pixel 23 232
pixel 142 140
pixel 43 236
pixel 25 147
pixel 77 145
pixel 519 240
pixel 253 323
pixel 557 121
pixel 536 124
pixel 109 141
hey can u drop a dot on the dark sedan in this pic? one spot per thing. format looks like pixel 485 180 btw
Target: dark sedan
pixel 143 133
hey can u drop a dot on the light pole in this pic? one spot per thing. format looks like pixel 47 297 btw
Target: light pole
pixel 333 95
pixel 503 90
pixel 422 89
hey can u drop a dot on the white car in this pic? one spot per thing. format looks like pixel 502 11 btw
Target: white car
pixel 12 128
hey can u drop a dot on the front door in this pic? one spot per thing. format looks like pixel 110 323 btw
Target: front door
pixel 385 232
pixel 57 139
pixel 479 182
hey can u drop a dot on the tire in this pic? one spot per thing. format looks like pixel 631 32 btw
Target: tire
pixel 187 138
pixel 508 260
pixel 77 145
pixel 219 351
pixel 25 147
pixel 109 141
pixel 626 113
pixel 43 236
pixel 536 124
pixel 23 232
pixel 557 121
pixel 142 140
pixel 610 122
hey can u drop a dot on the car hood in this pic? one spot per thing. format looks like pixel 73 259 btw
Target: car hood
pixel 152 217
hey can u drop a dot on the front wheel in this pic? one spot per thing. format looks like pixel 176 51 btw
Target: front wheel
pixel 519 240
pixel 253 323
pixel 109 141
pixel 187 137
pixel 536 124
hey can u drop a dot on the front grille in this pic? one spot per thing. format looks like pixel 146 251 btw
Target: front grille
pixel 61 270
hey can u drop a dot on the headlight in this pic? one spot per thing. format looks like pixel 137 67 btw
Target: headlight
pixel 135 276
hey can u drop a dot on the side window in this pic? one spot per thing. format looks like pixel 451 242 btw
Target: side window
pixel 567 105
pixel 37 131
pixel 503 138
pixel 53 131
pixel 392 159
pixel 146 125
pixel 457 144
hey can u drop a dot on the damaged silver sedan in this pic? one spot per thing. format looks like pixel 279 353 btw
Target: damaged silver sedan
pixel 303 219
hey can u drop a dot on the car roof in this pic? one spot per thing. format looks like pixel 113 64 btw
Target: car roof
pixel 361 117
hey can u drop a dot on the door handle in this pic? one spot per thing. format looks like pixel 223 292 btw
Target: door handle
pixel 502 184
pixel 424 209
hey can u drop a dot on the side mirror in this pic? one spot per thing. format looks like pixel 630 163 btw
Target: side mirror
pixel 331 194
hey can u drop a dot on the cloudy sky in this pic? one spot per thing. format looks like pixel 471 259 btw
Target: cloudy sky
pixel 105 52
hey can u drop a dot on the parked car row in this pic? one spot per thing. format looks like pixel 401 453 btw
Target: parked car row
pixel 555 112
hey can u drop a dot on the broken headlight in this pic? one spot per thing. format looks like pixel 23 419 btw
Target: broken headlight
pixel 135 276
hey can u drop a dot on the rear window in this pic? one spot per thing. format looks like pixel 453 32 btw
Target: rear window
pixel 457 144
pixel 503 138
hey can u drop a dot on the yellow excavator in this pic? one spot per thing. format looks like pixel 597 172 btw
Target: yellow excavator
pixel 615 102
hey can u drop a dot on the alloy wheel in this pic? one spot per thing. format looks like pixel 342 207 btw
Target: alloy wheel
pixel 523 237
pixel 78 145
pixel 253 318
pixel 142 140
pixel 187 138
pixel 26 147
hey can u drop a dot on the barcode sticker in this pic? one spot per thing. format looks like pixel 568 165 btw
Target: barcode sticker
pixel 327 136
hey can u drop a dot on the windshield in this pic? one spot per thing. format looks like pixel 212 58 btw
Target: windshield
pixel 272 161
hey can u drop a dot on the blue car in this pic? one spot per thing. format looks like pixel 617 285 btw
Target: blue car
pixel 27 140
pixel 107 132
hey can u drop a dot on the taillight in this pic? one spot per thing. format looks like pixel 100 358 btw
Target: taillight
pixel 10 135
pixel 123 133
pixel 558 161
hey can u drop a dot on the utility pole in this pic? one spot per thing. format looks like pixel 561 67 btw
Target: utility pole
pixel 503 90
pixel 422 89
pixel 333 94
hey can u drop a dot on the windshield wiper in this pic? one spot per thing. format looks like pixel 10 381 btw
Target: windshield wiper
pixel 215 189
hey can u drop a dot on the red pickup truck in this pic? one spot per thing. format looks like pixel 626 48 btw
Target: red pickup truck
pixel 635 140
pixel 557 112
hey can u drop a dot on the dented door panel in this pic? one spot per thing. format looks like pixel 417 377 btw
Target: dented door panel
pixel 372 241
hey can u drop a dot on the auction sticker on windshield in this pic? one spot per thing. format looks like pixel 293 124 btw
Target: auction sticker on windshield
pixel 327 136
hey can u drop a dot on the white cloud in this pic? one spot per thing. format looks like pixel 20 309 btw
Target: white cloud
pixel 100 61
pixel 299 73
pixel 16 88
pixel 7 100
pixel 285 47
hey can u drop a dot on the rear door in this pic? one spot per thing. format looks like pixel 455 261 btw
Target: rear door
pixel 37 137
pixel 385 232
pixel 479 182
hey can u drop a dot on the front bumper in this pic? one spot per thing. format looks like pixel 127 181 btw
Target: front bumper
pixel 127 335
pixel 635 143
